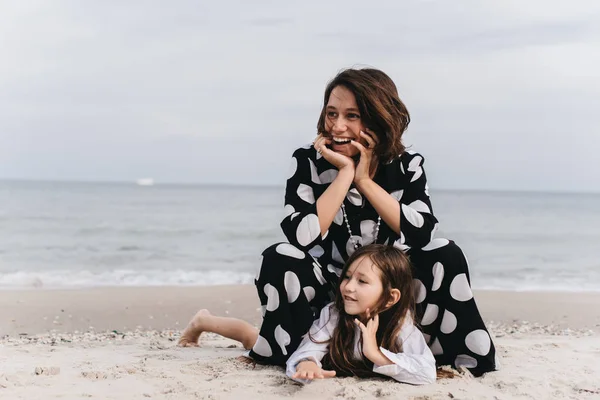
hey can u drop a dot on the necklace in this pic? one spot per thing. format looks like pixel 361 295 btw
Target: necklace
pixel 356 243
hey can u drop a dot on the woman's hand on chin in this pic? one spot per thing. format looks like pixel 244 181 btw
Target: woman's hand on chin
pixel 338 160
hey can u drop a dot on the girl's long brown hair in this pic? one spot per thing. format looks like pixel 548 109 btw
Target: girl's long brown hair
pixel 395 272
pixel 380 108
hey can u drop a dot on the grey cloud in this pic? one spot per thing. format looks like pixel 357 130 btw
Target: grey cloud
pixel 113 90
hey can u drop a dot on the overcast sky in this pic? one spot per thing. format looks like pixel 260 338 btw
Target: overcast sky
pixel 503 94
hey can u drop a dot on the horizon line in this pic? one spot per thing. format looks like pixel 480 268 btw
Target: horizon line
pixel 273 186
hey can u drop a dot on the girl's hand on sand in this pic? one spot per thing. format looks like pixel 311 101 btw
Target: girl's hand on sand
pixel 365 167
pixel 309 370
pixel 339 161
pixel 369 334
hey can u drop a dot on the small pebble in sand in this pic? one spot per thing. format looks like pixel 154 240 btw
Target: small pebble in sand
pixel 46 370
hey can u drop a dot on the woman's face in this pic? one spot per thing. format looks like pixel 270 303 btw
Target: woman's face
pixel 343 121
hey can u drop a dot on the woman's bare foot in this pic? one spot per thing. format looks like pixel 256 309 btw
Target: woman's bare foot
pixel 191 334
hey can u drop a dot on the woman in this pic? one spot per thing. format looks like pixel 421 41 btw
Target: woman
pixel 356 185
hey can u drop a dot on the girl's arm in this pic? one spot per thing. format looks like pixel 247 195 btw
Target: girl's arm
pixel 415 364
pixel 321 331
pixel 310 206
pixel 408 212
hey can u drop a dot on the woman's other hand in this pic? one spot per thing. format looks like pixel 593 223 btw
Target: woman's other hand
pixel 366 164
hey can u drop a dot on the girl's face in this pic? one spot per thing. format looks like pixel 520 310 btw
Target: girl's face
pixel 361 287
pixel 343 121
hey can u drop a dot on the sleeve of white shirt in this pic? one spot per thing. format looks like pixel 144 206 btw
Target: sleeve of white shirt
pixel 415 364
pixel 321 331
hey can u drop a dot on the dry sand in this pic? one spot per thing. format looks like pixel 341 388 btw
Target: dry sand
pixel 119 343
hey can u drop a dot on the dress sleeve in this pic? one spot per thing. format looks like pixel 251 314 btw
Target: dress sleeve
pixel 415 364
pixel 320 331
pixel 417 222
pixel 301 223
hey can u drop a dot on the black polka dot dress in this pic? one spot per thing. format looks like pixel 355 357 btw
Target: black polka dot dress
pixel 298 278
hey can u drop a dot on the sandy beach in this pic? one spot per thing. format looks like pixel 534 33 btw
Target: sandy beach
pixel 120 343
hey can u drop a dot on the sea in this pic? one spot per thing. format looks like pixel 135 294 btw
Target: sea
pixel 57 235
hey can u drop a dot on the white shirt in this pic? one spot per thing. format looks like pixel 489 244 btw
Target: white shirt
pixel 415 364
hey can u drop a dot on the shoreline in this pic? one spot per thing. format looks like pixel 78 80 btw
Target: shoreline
pixel 35 311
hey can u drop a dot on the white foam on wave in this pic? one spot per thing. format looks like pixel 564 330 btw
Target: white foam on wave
pixel 58 279
pixel 573 286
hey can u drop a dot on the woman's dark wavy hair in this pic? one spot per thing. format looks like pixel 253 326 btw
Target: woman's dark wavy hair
pixel 395 272
pixel 380 107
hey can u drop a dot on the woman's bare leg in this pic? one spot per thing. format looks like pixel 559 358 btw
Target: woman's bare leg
pixel 231 328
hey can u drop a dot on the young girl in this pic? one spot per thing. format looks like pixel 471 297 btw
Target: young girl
pixel 367 331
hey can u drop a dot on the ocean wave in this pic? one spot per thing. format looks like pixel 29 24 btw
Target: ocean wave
pixel 575 286
pixel 58 279
pixel 67 279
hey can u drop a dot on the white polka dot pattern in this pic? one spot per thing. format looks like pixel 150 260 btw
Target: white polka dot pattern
pixel 286 249
pixel 339 217
pixel 293 167
pixel 317 251
pixel 460 289
pixel 318 273
pixel 427 338
pixel 434 230
pixel 438 276
pixel 335 254
pixel 463 360
pixel 292 286
pixel 272 297
pixel 420 206
pixel 309 292
pixel 288 210
pixel 401 246
pixel 420 291
pixel 334 270
pixel 262 347
pixel 436 244
pixel 308 230
pixel 479 342
pixel 367 231
pixel 449 323
pixel 328 176
pixel 415 166
pixel 282 338
pixel 354 197
pixel 314 176
pixel 436 347
pixel 306 193
pixel 413 216
pixel 397 194
pixel 431 313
